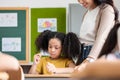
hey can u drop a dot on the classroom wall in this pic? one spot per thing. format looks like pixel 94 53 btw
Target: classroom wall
pixel 44 4
pixel 117 4
pixel 36 3
pixel 41 3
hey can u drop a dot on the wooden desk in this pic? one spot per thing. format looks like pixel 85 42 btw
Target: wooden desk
pixel 47 77
pixel 26 68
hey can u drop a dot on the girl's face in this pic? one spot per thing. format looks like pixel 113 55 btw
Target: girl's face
pixel 89 4
pixel 54 48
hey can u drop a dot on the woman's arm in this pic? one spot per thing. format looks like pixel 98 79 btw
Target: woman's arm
pixel 106 24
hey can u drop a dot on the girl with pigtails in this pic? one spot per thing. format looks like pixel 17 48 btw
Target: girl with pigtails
pixel 59 47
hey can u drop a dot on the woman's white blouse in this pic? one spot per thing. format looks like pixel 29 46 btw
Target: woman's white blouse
pixel 88 30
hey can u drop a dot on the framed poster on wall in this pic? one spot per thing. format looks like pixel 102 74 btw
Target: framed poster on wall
pixel 14 32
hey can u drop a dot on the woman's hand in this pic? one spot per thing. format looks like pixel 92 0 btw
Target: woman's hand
pixel 81 67
pixel 51 67
pixel 37 58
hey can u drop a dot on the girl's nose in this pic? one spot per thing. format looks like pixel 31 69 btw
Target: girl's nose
pixel 53 49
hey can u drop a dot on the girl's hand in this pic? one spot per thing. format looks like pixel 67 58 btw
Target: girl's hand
pixel 51 67
pixel 37 58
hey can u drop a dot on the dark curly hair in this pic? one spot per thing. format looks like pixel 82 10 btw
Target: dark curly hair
pixel 110 2
pixel 111 41
pixel 70 43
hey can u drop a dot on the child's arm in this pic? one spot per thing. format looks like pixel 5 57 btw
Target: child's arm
pixel 66 70
pixel 33 69
pixel 51 68
pixel 35 62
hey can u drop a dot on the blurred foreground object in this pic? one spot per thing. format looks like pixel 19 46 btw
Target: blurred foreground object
pixel 4 76
pixel 11 68
pixel 99 70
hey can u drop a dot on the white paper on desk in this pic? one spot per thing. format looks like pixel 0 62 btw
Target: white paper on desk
pixel 11 44
pixel 8 20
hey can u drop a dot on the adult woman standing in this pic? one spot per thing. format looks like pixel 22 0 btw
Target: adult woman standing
pixel 97 23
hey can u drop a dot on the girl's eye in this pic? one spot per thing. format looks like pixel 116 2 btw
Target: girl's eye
pixel 50 46
pixel 56 48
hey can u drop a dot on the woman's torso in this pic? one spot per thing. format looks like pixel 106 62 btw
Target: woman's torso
pixel 88 30
pixel 91 23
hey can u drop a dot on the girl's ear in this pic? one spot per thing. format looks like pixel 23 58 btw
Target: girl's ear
pixel 118 38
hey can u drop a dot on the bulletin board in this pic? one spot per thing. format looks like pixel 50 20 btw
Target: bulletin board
pixel 14 32
pixel 57 13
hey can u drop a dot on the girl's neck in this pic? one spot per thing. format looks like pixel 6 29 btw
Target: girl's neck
pixel 54 58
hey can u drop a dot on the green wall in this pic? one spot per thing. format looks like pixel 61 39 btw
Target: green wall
pixel 59 13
